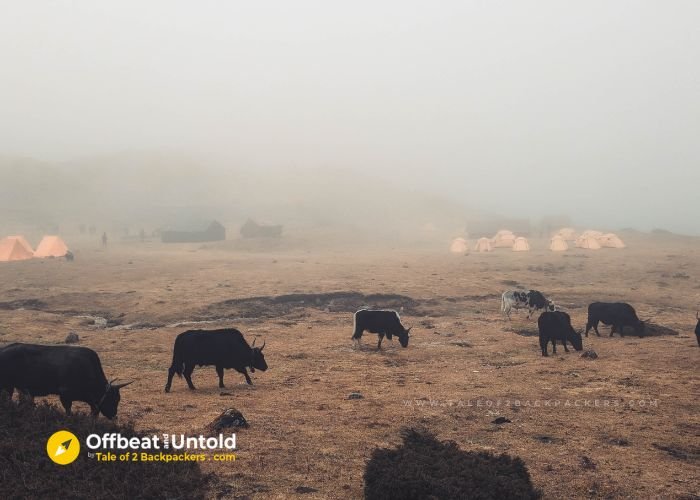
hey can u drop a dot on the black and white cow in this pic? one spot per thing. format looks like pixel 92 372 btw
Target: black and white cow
pixel 532 300
pixel 384 322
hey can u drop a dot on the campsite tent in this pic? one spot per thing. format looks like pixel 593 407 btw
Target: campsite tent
pixel 558 244
pixel 591 234
pixel 504 239
pixel 483 245
pixel 611 240
pixel 567 234
pixel 14 248
pixel 459 245
pixel 51 246
pixel 521 245
pixel 587 242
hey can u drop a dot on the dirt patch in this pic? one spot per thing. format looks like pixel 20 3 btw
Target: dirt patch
pixel 680 452
pixel 32 304
pixel 281 305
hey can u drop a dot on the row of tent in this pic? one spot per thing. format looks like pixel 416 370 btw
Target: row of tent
pixel 589 240
pixel 18 248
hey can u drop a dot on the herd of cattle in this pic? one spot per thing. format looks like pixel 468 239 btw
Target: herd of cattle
pixel 75 373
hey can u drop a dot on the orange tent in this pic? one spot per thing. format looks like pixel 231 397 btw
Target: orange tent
pixel 23 242
pixel 483 245
pixel 13 248
pixel 558 244
pixel 521 245
pixel 459 245
pixel 51 246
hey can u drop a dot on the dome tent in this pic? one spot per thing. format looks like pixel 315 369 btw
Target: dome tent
pixel 567 234
pixel 611 240
pixel 521 245
pixel 483 245
pixel 558 244
pixel 459 245
pixel 503 239
pixel 587 242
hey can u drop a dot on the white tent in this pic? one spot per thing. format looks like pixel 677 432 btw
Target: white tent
pixel 459 245
pixel 611 240
pixel 567 234
pixel 483 245
pixel 521 245
pixel 587 242
pixel 558 244
pixel 503 239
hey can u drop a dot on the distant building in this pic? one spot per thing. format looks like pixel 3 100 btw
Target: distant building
pixel 252 229
pixel 214 232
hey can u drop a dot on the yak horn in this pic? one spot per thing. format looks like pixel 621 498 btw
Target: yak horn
pixel 256 338
pixel 697 315
pixel 263 346
pixel 119 386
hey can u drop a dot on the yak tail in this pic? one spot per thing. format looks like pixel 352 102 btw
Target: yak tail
pixel 178 365
pixel 503 302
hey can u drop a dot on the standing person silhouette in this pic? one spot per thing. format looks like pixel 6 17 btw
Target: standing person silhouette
pixel 104 239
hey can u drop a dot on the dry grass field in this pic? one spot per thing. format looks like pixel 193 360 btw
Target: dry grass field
pixel 625 425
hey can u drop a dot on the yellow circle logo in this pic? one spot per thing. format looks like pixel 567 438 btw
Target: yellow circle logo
pixel 63 447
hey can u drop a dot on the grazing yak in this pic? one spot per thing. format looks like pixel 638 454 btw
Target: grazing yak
pixel 382 322
pixel 73 373
pixel 697 327
pixel 533 300
pixel 617 314
pixel 555 326
pixel 224 348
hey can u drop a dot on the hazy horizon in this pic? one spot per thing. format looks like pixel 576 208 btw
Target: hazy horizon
pixel 588 109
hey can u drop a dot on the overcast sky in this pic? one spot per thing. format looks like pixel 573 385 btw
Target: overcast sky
pixel 590 108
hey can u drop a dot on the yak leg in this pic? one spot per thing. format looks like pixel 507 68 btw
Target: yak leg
pixel 67 403
pixel 357 335
pixel 187 373
pixel 622 330
pixel 94 410
pixel 379 344
pixel 245 374
pixel 171 373
pixel 612 330
pixel 543 346
pixel 565 348
pixel 220 373
pixel 554 346
pixel 595 327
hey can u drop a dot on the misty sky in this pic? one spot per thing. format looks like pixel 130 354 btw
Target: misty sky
pixel 588 108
